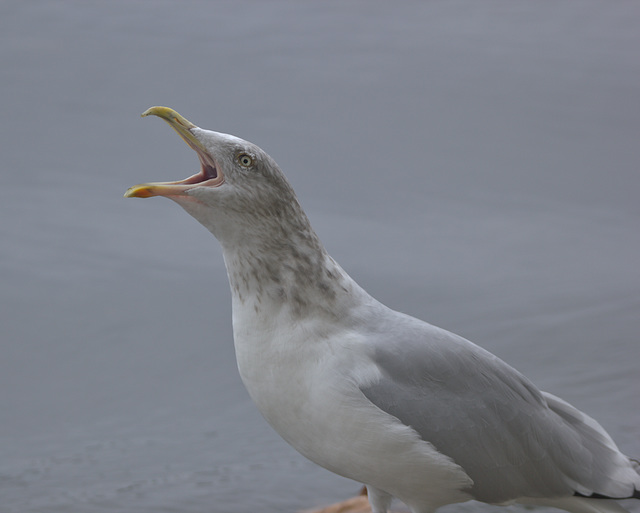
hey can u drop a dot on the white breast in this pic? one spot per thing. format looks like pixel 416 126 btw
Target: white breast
pixel 307 388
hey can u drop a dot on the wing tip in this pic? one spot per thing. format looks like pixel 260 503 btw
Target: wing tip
pixel 635 495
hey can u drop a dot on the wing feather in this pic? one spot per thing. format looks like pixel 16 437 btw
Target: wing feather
pixel 511 439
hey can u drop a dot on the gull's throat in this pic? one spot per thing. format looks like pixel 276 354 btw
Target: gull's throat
pixel 208 173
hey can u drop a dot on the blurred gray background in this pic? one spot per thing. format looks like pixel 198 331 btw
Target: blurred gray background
pixel 472 163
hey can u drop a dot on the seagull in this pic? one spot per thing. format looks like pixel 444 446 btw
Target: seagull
pixel 412 411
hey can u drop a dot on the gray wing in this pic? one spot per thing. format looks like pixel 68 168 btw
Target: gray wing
pixel 510 438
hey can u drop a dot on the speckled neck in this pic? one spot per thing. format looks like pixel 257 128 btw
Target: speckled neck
pixel 286 267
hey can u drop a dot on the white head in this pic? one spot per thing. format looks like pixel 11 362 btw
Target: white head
pixel 239 194
pixel 272 254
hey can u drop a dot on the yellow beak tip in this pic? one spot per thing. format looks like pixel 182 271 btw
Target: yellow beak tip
pixel 138 191
pixel 157 111
pixel 178 122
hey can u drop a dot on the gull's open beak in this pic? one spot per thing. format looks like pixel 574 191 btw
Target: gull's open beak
pixel 208 175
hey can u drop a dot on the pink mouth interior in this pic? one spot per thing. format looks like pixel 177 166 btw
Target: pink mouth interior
pixel 208 172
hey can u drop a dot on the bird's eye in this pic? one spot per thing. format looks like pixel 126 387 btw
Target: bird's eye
pixel 245 160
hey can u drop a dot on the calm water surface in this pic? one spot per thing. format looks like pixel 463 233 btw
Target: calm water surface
pixel 475 164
